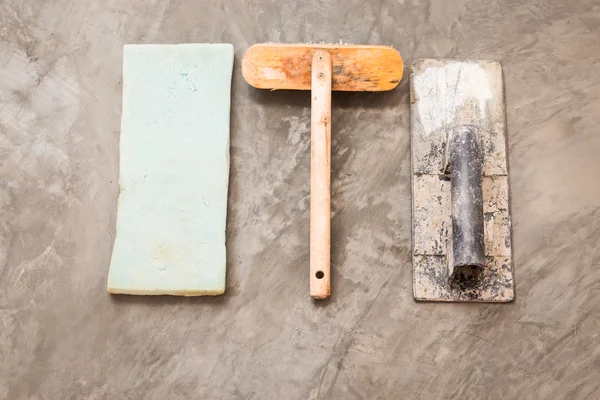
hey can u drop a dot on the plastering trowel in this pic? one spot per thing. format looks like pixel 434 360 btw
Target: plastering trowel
pixel 460 196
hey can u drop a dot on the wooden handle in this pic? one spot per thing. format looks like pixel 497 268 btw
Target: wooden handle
pixel 320 177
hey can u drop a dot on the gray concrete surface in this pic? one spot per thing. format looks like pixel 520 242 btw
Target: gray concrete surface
pixel 63 337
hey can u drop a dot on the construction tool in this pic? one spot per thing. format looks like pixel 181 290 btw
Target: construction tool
pixel 460 199
pixel 174 170
pixel 321 68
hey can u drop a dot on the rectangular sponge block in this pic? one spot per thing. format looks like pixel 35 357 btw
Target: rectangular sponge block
pixel 174 170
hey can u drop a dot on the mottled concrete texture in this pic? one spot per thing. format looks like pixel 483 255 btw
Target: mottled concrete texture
pixel 63 337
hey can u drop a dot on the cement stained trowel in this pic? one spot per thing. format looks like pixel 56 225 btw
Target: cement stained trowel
pixel 460 194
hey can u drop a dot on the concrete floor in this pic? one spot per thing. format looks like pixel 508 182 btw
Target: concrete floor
pixel 63 337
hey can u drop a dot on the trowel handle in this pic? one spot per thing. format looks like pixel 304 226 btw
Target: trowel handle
pixel 320 175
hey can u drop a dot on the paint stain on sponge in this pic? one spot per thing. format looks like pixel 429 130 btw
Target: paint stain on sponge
pixel 174 171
